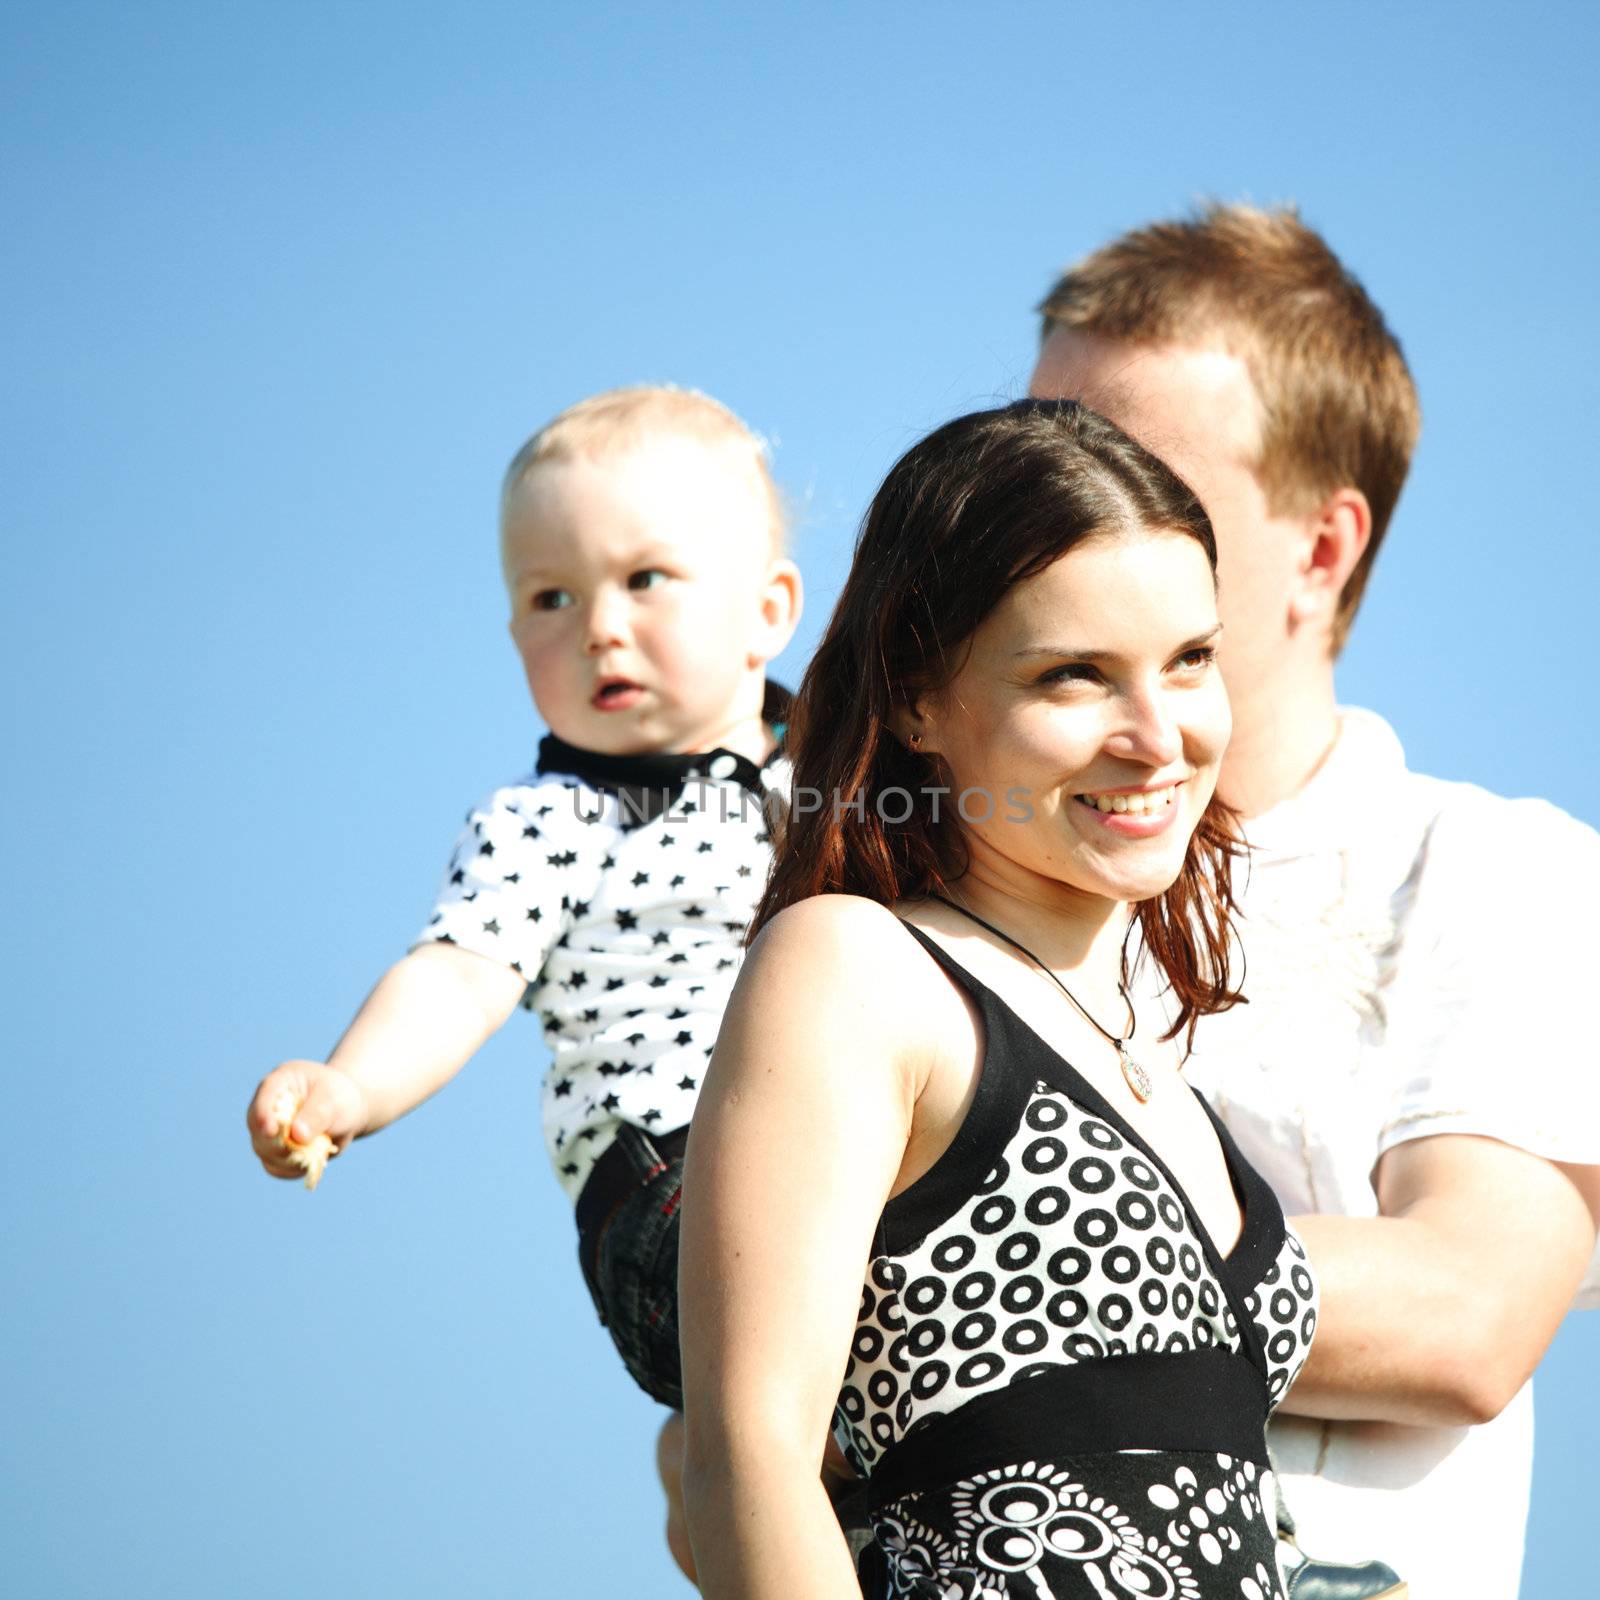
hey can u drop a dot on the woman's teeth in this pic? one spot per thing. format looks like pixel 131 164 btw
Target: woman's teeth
pixel 1138 805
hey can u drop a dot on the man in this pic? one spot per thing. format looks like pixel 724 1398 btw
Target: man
pixel 1412 1073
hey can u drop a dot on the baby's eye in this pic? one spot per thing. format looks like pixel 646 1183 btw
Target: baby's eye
pixel 552 599
pixel 648 578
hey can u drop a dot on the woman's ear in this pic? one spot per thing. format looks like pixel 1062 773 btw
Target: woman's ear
pixel 911 727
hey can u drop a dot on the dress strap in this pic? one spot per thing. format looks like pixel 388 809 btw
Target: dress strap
pixel 981 993
pixel 1030 1056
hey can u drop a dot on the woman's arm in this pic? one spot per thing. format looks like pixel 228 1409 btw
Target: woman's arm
pixel 797 1142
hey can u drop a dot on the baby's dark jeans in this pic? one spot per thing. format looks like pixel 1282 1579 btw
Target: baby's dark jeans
pixel 628 1217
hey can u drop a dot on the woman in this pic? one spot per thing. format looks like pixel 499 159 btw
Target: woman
pixel 1043 1301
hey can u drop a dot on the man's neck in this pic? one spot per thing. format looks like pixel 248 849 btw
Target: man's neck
pixel 1279 741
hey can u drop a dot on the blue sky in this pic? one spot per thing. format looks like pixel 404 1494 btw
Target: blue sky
pixel 282 286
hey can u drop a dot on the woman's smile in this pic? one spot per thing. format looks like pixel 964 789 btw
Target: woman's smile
pixel 1133 813
pixel 1093 686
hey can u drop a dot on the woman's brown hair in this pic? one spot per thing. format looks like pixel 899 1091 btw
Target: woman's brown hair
pixel 979 505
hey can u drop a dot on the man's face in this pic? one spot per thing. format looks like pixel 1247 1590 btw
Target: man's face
pixel 1196 408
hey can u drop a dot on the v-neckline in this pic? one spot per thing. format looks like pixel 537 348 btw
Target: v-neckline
pixel 1249 1188
pixel 1088 1098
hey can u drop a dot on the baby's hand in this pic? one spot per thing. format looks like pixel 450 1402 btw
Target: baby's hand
pixel 303 1113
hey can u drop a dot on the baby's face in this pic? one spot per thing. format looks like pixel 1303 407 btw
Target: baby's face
pixel 640 595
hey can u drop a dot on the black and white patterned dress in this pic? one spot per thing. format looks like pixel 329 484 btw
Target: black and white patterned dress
pixel 1058 1387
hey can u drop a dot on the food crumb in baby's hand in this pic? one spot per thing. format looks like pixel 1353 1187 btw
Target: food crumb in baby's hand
pixel 311 1157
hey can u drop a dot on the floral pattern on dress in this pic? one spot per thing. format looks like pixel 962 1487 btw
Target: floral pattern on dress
pixel 1200 1528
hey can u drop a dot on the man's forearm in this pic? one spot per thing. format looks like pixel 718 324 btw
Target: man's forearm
pixel 1397 1338
pixel 1437 1311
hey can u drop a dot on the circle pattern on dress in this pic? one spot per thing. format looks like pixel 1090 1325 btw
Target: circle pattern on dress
pixel 1074 1248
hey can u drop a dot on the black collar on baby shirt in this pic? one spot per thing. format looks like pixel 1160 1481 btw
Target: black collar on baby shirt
pixel 650 784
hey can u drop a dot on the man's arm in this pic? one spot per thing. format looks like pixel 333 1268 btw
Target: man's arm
pixel 1437 1311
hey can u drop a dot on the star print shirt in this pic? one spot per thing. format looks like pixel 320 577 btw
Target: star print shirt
pixel 620 887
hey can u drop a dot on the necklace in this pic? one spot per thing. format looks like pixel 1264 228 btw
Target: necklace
pixel 1135 1073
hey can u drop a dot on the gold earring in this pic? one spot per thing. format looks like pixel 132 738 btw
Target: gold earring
pixel 916 740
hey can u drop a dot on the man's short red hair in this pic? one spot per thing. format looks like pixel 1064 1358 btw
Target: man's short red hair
pixel 1338 404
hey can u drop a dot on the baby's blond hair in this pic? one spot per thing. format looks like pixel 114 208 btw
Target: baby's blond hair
pixel 624 419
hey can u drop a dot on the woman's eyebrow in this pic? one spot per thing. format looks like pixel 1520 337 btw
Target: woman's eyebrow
pixel 1060 652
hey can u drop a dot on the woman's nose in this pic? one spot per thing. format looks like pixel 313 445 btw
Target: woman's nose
pixel 1147 731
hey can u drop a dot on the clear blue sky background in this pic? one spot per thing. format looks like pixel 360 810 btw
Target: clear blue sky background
pixel 282 285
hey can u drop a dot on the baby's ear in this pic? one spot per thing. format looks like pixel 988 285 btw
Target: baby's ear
pixel 782 595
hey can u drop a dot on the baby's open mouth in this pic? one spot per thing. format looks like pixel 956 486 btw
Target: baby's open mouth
pixel 615 692
pixel 1139 804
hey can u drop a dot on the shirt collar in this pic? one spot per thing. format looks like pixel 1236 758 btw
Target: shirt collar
pixel 1341 798
pixel 654 780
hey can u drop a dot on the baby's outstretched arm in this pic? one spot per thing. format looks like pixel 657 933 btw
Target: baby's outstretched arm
pixel 424 1021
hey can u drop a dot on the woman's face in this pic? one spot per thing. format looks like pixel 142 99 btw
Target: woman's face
pixel 1090 711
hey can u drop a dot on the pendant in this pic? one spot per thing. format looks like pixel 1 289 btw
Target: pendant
pixel 1136 1073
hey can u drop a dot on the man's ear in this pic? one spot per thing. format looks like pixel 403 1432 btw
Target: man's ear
pixel 782 595
pixel 1337 535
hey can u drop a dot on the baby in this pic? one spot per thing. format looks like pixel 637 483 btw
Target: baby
pixel 609 891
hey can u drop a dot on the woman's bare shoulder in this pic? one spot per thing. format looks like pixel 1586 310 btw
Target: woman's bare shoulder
pixel 844 937
pixel 849 966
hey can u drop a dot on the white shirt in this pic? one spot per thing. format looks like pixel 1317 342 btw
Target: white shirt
pixel 1420 957
pixel 620 888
